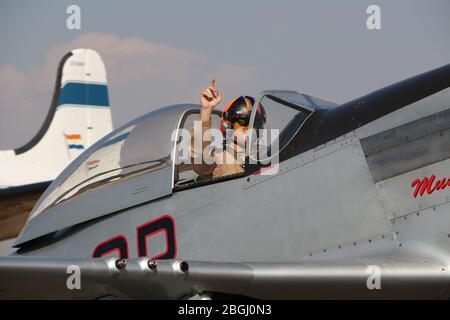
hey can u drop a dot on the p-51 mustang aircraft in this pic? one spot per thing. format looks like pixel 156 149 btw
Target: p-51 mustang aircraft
pixel 79 115
pixel 358 208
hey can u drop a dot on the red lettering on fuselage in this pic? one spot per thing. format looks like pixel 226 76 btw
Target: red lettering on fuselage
pixel 428 185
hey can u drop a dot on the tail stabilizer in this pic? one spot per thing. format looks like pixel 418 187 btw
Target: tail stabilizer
pixel 78 116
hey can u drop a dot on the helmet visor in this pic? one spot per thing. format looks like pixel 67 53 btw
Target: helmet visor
pixel 243 122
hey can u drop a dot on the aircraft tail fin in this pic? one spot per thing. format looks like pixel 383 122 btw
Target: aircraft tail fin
pixel 79 113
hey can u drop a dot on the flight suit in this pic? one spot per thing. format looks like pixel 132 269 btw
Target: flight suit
pixel 225 162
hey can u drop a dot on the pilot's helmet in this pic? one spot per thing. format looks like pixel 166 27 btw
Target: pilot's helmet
pixel 236 114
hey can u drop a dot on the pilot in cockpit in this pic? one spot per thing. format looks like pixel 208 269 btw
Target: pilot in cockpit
pixel 234 124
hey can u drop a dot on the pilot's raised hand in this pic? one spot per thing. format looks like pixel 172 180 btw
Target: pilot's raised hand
pixel 210 97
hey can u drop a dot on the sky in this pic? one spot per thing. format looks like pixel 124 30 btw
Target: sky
pixel 159 53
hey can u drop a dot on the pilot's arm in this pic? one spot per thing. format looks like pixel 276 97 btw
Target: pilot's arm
pixel 209 99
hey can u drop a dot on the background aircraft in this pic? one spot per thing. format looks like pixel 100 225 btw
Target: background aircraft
pixel 361 193
pixel 78 116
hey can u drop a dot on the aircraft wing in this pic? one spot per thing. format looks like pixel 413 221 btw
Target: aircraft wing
pixel 15 205
pixel 24 277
